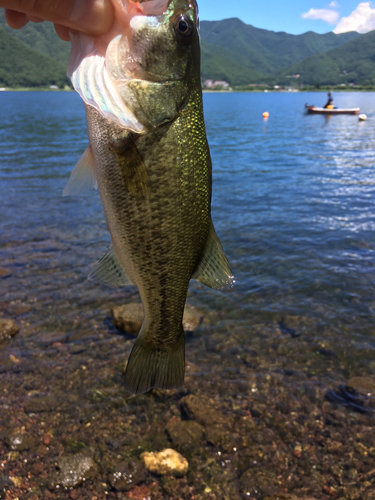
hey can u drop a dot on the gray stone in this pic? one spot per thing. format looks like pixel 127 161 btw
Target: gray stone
pixel 18 441
pixel 72 471
pixel 8 328
pixel 129 318
pixel 127 474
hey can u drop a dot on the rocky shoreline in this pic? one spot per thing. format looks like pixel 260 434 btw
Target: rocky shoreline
pixel 249 424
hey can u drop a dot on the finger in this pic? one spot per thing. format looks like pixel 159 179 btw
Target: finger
pixel 15 20
pixel 62 32
pixel 89 16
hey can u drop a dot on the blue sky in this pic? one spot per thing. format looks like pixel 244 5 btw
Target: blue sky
pixel 295 16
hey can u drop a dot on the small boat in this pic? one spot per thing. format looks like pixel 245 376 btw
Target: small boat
pixel 313 110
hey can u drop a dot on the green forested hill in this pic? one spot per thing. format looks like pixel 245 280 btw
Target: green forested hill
pixel 21 66
pixel 267 51
pixel 40 37
pixel 353 62
pixel 231 51
pixel 219 63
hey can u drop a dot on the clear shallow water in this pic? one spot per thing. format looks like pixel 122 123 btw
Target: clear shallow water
pixel 292 203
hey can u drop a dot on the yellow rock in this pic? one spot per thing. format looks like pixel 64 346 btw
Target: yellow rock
pixel 14 359
pixel 13 455
pixel 166 462
pixel 17 481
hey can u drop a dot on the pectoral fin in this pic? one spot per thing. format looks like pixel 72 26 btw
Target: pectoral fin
pixel 132 168
pixel 83 176
pixel 213 269
pixel 109 270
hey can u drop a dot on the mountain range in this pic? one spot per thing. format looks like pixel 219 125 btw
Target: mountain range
pixel 231 50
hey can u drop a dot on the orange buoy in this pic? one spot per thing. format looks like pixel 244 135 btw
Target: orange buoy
pixel 266 114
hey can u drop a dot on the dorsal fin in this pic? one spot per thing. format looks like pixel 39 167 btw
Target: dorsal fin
pixel 213 269
pixel 83 176
pixel 109 270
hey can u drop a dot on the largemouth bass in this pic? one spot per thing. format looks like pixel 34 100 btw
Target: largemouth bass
pixel 150 159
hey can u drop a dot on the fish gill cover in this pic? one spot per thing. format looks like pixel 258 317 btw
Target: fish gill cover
pixel 92 55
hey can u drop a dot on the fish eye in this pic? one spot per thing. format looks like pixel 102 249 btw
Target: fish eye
pixel 183 27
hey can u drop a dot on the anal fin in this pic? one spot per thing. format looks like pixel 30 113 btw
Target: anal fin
pixel 213 269
pixel 83 176
pixel 109 270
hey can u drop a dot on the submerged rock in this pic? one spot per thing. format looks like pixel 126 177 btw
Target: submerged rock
pixel 5 484
pixel 129 318
pixel 185 433
pixel 18 441
pixel 72 471
pixel 363 385
pixel 199 408
pixel 5 272
pixel 262 484
pixel 165 463
pixel 38 404
pixel 127 474
pixel 358 394
pixel 8 329
pixel 17 308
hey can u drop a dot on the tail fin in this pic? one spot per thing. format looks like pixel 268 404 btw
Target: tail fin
pixel 155 367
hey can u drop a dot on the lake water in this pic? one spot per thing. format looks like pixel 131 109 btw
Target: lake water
pixel 293 204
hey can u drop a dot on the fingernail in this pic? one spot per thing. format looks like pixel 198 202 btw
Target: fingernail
pixel 92 17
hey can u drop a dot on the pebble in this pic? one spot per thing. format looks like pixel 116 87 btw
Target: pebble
pixel 8 329
pixel 166 462
pixel 17 481
pixel 129 318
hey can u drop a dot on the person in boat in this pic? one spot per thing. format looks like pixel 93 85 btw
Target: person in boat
pixel 329 103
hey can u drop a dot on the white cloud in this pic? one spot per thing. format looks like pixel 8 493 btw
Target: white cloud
pixel 335 5
pixel 362 19
pixel 327 15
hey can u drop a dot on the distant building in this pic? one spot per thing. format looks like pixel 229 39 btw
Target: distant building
pixel 211 84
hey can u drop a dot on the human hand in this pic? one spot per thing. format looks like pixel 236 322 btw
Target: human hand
pixel 89 16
